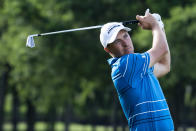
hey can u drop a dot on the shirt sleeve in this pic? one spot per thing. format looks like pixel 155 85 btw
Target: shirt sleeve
pixel 134 67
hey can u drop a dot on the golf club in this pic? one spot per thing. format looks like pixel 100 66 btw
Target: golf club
pixel 30 41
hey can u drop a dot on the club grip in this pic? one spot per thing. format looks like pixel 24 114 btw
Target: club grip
pixel 130 22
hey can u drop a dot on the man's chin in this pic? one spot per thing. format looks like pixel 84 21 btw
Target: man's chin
pixel 129 52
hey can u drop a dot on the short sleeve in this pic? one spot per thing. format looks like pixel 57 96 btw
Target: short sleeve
pixel 134 67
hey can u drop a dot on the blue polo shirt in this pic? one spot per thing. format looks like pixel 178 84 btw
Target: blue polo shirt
pixel 140 93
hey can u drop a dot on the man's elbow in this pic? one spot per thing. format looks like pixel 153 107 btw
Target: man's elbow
pixel 165 72
pixel 168 69
pixel 165 50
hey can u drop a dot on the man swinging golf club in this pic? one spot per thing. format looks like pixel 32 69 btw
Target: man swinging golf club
pixel 135 74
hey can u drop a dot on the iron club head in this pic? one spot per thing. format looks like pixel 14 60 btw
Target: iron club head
pixel 30 41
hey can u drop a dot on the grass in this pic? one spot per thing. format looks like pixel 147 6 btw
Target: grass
pixel 59 126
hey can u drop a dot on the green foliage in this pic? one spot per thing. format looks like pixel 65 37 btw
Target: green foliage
pixel 183 45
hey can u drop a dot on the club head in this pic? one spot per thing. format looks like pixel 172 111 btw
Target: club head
pixel 30 41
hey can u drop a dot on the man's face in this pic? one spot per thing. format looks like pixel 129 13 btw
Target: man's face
pixel 122 45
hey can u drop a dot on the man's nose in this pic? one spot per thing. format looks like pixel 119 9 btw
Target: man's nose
pixel 124 43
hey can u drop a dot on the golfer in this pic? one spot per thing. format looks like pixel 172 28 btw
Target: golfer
pixel 135 74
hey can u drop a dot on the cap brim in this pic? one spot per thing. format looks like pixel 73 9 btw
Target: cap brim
pixel 113 38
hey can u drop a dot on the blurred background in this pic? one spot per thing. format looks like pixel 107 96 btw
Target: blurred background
pixel 64 84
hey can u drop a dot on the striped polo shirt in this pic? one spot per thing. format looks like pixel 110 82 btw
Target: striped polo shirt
pixel 140 94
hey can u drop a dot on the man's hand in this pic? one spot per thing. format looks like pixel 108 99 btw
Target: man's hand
pixel 148 21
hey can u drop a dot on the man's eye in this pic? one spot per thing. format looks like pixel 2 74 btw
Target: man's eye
pixel 125 36
pixel 117 42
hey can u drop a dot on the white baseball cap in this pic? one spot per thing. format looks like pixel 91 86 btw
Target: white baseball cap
pixel 109 32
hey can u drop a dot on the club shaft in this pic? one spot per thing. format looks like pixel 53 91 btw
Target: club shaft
pixel 71 30
pixel 85 28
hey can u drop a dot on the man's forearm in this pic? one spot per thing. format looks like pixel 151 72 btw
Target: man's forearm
pixel 159 46
pixel 162 67
pixel 166 59
pixel 159 40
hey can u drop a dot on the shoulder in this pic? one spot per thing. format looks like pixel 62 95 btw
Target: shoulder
pixel 131 59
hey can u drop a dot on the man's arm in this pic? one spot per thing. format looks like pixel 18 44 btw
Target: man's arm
pixel 159 46
pixel 162 67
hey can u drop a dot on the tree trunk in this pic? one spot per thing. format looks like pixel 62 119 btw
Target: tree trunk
pixel 15 109
pixel 114 114
pixel 93 127
pixel 51 118
pixel 178 105
pixel 67 117
pixel 30 116
pixel 106 128
pixel 123 127
pixel 3 87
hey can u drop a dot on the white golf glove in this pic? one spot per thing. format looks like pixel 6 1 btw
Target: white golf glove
pixel 157 17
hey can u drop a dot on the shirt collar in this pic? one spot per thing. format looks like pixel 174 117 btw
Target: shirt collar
pixel 111 61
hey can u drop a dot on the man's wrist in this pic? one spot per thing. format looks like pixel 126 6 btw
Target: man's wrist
pixel 156 26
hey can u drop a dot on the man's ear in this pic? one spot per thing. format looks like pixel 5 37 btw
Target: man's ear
pixel 107 50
